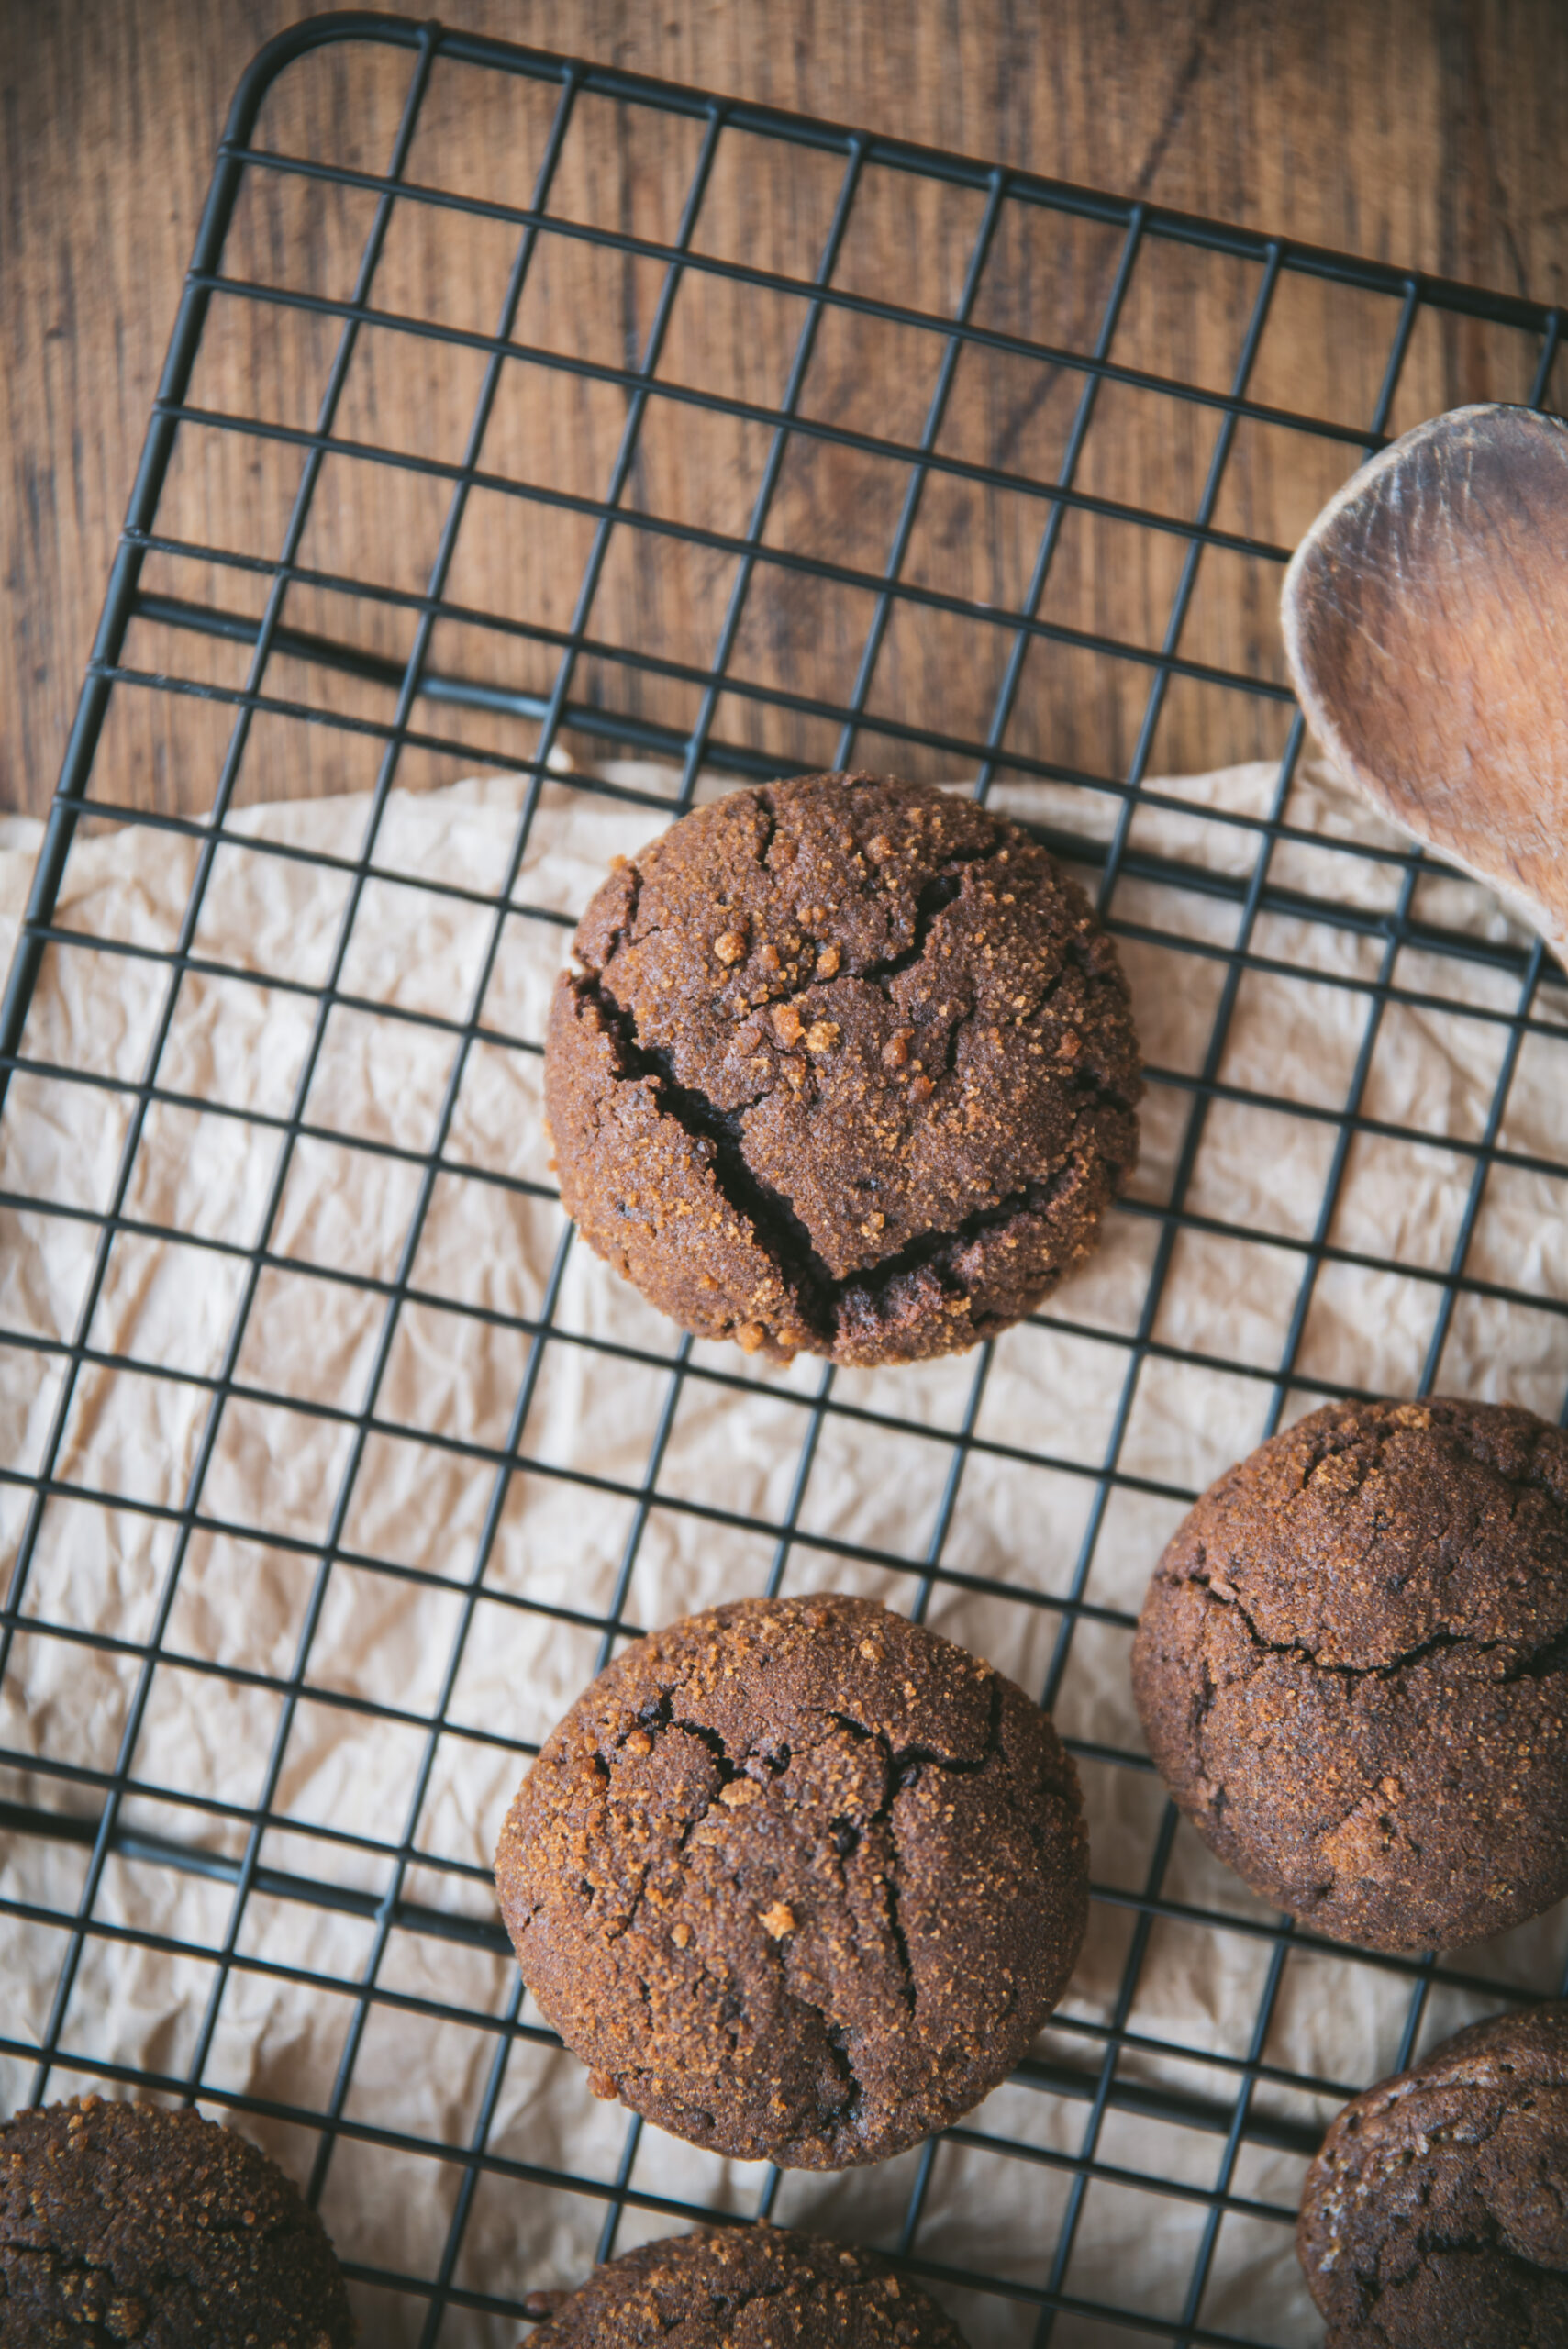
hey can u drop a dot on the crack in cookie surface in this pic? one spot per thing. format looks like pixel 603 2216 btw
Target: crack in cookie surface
pixel 1352 1670
pixel 838 1863
pixel 121 2222
pixel 868 1091
pixel 1436 2213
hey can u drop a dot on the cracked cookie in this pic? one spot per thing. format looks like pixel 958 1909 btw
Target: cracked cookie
pixel 128 2222
pixel 1352 1670
pixel 748 2287
pixel 1436 2214
pixel 847 1065
pixel 797 1879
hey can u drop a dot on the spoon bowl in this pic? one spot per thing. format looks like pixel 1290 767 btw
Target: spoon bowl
pixel 1426 624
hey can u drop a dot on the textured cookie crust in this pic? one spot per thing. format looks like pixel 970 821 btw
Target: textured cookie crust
pixel 797 1879
pixel 1352 1670
pixel 122 2222
pixel 847 1066
pixel 1436 2215
pixel 748 2287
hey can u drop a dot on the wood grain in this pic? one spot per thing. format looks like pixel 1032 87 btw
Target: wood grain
pixel 1423 132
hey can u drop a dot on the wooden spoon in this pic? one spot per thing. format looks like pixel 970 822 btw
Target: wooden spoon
pixel 1426 625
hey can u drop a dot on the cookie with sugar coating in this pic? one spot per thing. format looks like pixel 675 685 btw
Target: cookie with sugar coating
pixel 846 1065
pixel 748 2287
pixel 1351 1668
pixel 797 1879
pixel 1436 2214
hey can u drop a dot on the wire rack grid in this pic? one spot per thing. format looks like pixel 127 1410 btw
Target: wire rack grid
pixel 223 651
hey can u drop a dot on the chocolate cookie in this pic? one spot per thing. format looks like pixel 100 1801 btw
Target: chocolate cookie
pixel 847 1065
pixel 124 2223
pixel 748 2287
pixel 797 1879
pixel 1436 2215
pixel 1352 1670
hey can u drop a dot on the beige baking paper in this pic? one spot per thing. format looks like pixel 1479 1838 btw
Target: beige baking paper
pixel 387 1639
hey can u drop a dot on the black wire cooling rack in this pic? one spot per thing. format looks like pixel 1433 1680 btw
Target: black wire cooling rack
pixel 337 664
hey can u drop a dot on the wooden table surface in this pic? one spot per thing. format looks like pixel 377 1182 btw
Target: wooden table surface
pixel 1426 133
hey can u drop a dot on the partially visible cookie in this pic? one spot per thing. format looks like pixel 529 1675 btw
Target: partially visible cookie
pixel 797 1879
pixel 846 1065
pixel 748 2287
pixel 126 2222
pixel 1352 1670
pixel 1436 2214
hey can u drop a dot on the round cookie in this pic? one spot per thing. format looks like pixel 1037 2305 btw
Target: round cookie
pixel 125 2223
pixel 748 2287
pixel 1352 1670
pixel 1434 2216
pixel 797 1879
pixel 847 1065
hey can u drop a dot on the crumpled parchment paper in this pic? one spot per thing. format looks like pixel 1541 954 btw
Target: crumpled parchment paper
pixel 359 1771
